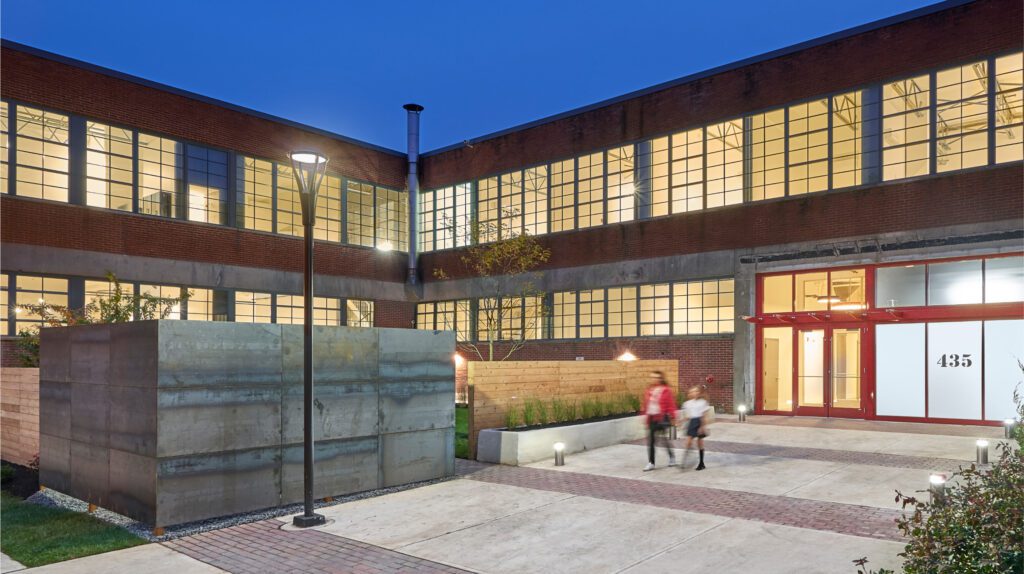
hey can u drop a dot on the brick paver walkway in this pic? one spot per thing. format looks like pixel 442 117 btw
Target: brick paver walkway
pixel 850 519
pixel 261 547
pixel 826 455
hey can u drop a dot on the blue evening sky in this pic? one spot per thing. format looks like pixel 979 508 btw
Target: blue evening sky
pixel 477 66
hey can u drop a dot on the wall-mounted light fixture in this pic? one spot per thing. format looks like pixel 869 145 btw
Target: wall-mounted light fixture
pixel 627 356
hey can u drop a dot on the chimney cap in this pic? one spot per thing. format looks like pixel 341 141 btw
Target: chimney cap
pixel 413 107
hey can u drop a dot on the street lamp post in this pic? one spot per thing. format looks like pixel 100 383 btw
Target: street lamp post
pixel 309 168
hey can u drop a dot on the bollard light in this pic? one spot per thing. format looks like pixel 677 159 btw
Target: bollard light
pixel 982 454
pixel 559 454
pixel 673 432
pixel 937 488
pixel 1008 426
pixel 742 413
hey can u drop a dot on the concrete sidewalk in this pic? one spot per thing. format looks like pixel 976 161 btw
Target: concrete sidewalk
pixel 775 498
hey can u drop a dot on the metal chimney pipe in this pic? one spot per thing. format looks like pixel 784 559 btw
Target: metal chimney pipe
pixel 413 149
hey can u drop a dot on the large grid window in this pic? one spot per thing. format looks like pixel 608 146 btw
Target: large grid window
pixel 35 290
pixel 535 200
pixel 848 127
pixel 160 173
pixel 207 185
pixel 688 171
pixel 564 315
pixel 659 186
pixel 488 319
pixel 255 195
pixel 621 192
pixel 905 128
pixel 42 156
pixel 591 313
pixel 328 210
pixel 444 214
pixel 463 214
pixel 164 292
pixel 487 211
pixel 1009 104
pixel 5 149
pixel 655 310
pixel 290 310
pixel 768 155
pixel 961 117
pixel 702 307
pixel 288 203
pixel 808 147
pixel 512 202
pixel 202 306
pixel 426 314
pixel 392 211
pixel 109 155
pixel 445 316
pixel 358 313
pixel 511 319
pixel 360 213
pixel 563 195
pixel 622 317
pixel 426 215
pixel 253 307
pixel 590 190
pixel 723 157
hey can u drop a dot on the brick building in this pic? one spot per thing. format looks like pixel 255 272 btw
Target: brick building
pixel 830 229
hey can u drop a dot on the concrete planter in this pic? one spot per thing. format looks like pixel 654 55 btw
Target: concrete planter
pixel 523 447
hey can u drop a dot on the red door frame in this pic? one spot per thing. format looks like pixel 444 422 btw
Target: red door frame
pixel 804 320
pixel 866 381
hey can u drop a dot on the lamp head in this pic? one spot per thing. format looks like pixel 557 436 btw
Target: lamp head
pixel 307 157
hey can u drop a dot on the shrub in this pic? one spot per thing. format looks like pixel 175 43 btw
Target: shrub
pixel 589 408
pixel 572 411
pixel 542 411
pixel 559 410
pixel 634 403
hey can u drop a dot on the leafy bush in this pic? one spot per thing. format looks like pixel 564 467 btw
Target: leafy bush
pixel 979 526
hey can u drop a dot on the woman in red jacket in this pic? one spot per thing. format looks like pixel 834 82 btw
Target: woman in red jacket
pixel 660 407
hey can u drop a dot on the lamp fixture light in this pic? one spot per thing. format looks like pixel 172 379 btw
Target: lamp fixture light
pixel 627 356
pixel 459 361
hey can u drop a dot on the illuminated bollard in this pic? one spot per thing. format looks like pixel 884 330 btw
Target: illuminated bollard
pixel 982 454
pixel 559 454
pixel 937 488
pixel 742 413
pixel 1008 426
pixel 673 432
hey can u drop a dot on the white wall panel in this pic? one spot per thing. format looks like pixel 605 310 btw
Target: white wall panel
pixel 1004 346
pixel 899 370
pixel 954 370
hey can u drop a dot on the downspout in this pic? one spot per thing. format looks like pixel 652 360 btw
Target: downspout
pixel 413 147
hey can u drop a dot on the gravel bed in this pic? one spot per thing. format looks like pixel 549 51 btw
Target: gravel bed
pixel 56 499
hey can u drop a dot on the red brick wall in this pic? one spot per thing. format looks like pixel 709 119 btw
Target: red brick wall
pixel 396 314
pixel 698 358
pixel 37 222
pixel 37 80
pixel 19 415
pixel 981 196
pixel 977 29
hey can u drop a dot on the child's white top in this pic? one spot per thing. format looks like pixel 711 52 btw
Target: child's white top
pixel 695 408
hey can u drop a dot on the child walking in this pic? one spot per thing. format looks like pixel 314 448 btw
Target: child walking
pixel 696 410
pixel 660 407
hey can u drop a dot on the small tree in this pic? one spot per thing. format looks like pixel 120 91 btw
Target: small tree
pixel 117 307
pixel 505 269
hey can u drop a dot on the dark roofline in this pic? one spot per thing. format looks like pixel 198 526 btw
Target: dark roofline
pixel 870 26
pixel 17 46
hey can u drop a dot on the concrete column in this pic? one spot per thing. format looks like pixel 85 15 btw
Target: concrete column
pixel 743 351
pixel 644 158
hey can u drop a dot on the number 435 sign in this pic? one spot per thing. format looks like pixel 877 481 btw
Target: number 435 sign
pixel 954 360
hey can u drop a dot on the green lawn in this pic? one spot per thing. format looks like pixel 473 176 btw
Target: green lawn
pixel 461 432
pixel 36 535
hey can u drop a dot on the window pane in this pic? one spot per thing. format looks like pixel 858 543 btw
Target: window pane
pixel 289 204
pixel 954 283
pixel 42 154
pixel 592 313
pixel 563 195
pixel 35 290
pixel 4 154
pixel 808 147
pixel 768 155
pixel 252 307
pixel 109 157
pixel 360 214
pixel 961 122
pixel 564 315
pixel 512 202
pixel 778 294
pixel 658 160
pixel 328 211
pixel 621 190
pixel 723 158
pixel 901 286
pixel 160 172
pixel 358 313
pixel 487 209
pixel 847 290
pixel 1009 108
pixel 590 190
pixel 255 194
pixel 687 176
pixel 811 291
pixel 905 128
pixel 392 210
pixel 1004 279
pixel 622 317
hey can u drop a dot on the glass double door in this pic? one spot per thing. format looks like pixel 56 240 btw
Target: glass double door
pixel 830 371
